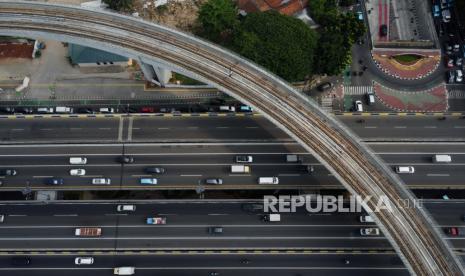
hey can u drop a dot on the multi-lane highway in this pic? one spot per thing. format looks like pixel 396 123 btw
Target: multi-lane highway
pixel 187 165
pixel 301 242
pixel 241 127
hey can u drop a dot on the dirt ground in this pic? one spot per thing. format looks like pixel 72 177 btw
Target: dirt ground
pixel 176 14
pixel 16 50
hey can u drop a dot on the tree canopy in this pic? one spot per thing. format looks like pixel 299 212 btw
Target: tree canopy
pixel 119 5
pixel 218 19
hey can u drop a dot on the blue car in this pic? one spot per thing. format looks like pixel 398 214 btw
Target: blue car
pixel 436 11
pixel 148 181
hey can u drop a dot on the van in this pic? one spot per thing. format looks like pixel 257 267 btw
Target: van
pixel 78 160
pixel 63 109
pixel 442 158
pixel 268 180
pixel 126 208
pixel 45 110
pixel 405 169
pixel 124 270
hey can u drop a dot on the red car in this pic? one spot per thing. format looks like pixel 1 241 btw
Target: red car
pixel 452 231
pixel 147 109
pixel 449 62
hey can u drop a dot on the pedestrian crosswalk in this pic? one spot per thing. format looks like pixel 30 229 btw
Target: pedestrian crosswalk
pixel 357 90
pixel 456 94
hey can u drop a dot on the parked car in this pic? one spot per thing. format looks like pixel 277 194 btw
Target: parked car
pixel 324 86
pixel 459 75
pixel 448 48
pixel 147 109
pixel 244 159
pixel 156 220
pixel 459 61
pixel 358 106
pixel 101 181
pixel 451 76
pixel 449 62
pixel 84 111
pixel 8 110
pixel 126 208
pixel 107 110
pixel 45 110
pixel 25 110
pixel 214 181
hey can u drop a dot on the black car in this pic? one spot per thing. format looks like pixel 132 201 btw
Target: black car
pixel 7 110
pixel 383 30
pixel 54 181
pixel 8 172
pixel 83 110
pixel 25 110
pixel 215 230
pixel 22 261
pixel 126 159
pixel 154 170
pixel 324 86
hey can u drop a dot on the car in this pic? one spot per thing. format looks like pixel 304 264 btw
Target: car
pixel 383 30
pixel 436 11
pixel 369 231
pixel 8 110
pixel 463 50
pixel 324 86
pixel 459 61
pixel 358 106
pixel 405 169
pixel 366 218
pixel 155 170
pixel 244 159
pixel 21 261
pixel 2 218
pixel 8 172
pixel 359 15
pixel 156 220
pixel 147 109
pixel 459 75
pixel 451 76
pixel 245 108
pixel 83 260
pixel 214 273
pixel 54 181
pixel 308 169
pixel 452 231
pixel 214 181
pixel 107 110
pixel 126 159
pixel 101 181
pixel 84 110
pixel 78 172
pixel 252 207
pixel 148 181
pixel 25 110
pixel 449 62
pixel 456 47
pixel 215 230
pixel 126 208
pixel 448 48
pixel 45 110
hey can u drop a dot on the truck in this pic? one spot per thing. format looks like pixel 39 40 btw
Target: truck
pixel 240 169
pixel 272 217
pixel 88 231
pixel 156 220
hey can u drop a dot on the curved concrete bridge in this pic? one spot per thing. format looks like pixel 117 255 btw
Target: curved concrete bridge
pixel 410 230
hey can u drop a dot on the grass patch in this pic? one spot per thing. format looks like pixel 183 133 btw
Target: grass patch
pixel 407 58
pixel 184 80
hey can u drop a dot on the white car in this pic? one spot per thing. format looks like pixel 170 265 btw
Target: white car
pixel 369 231
pixel 126 208
pixel 459 76
pixel 79 172
pixel 244 159
pixel 101 181
pixel 366 218
pixel 358 106
pixel 405 169
pixel 2 218
pixel 84 260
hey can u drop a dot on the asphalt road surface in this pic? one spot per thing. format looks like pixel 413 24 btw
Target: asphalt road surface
pixel 217 129
pixel 188 165
pixel 45 233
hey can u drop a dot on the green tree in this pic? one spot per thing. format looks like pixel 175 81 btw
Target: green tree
pixel 119 5
pixel 346 3
pixel 218 19
pixel 283 44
